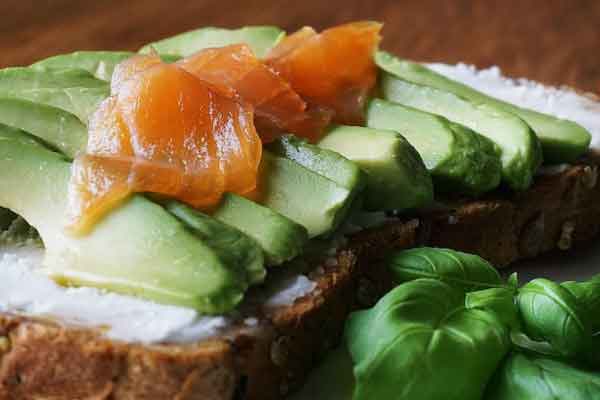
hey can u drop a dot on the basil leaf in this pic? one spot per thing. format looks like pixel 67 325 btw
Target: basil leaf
pixel 465 271
pixel 529 377
pixel 499 300
pixel 551 313
pixel 421 342
pixel 588 296
pixel 524 342
pixel 513 280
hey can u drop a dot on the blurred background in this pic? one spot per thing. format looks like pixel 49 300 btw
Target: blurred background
pixel 553 41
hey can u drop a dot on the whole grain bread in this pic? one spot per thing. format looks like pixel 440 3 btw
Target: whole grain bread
pixel 45 360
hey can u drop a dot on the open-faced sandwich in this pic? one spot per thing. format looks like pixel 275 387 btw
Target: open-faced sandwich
pixel 198 219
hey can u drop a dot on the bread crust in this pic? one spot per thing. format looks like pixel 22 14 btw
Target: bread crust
pixel 559 211
pixel 43 360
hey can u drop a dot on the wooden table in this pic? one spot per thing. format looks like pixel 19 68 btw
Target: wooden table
pixel 554 41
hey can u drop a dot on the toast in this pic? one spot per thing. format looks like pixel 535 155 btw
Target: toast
pixel 265 350
pixel 43 360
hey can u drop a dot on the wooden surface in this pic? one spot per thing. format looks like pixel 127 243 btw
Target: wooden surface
pixel 554 41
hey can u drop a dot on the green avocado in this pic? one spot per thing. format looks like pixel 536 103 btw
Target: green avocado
pixel 520 149
pixel 260 39
pixel 101 64
pixel 310 199
pixel 138 249
pixel 61 130
pixel 280 238
pixel 231 245
pixel 397 179
pixel 562 140
pixel 72 90
pixel 81 102
pixel 25 78
pixel 324 162
pixel 459 159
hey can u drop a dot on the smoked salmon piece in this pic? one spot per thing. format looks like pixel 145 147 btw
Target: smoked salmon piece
pixel 236 72
pixel 190 130
pixel 333 69
pixel 95 188
pixel 131 67
pixel 164 131
pixel 107 133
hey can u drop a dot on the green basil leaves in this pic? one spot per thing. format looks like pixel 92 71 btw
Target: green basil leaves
pixel 563 316
pixel 400 347
pixel 462 270
pixel 446 330
pixel 530 377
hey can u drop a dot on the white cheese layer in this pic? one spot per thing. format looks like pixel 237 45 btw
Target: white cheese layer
pixel 24 290
pixel 562 103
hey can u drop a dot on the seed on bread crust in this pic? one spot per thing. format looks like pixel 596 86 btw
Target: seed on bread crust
pixel 565 242
pixel 280 350
pixel 532 236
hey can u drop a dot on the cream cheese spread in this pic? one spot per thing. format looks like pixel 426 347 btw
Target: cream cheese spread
pixel 25 290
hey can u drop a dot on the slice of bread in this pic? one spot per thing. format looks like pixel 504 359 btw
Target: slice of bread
pixel 44 360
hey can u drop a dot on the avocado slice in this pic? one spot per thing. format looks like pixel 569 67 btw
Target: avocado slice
pixel 397 179
pixel 260 39
pixel 98 63
pixel 138 249
pixel 60 129
pixel 230 244
pixel 81 102
pixel 459 159
pixel 280 238
pixel 311 200
pixel 520 149
pixel 324 162
pixel 101 64
pixel 75 91
pixel 26 78
pixel 562 140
